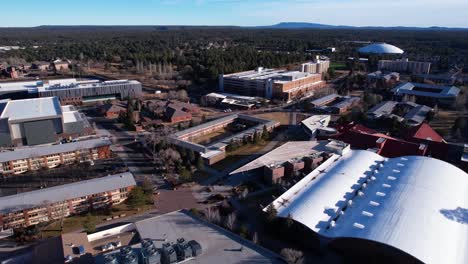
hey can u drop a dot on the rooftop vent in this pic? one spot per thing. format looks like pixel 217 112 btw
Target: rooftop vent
pixel 365 213
pixel 358 225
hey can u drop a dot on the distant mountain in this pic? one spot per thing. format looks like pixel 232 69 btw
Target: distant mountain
pixel 305 25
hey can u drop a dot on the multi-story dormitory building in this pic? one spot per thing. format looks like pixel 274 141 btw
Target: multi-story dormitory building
pixel 405 65
pixel 51 156
pixel 31 208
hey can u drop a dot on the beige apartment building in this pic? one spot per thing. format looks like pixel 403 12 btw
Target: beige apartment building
pixel 51 156
pixel 31 208
pixel 404 65
pixel 316 66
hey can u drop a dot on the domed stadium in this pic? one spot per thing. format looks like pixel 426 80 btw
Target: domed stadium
pixel 380 48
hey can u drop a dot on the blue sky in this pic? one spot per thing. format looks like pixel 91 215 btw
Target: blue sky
pixel 451 13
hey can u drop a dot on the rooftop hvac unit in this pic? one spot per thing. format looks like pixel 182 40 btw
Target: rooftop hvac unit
pixel 169 255
pixel 125 250
pixel 183 250
pixel 196 248
pixel 152 256
pixel 110 259
pixel 129 259
pixel 127 256
pixel 146 243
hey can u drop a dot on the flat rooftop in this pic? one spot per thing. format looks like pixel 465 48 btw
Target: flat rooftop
pixel 287 151
pixel 30 109
pixel 60 193
pixel 218 245
pixel 59 84
pixel 382 109
pixel 324 99
pixel 279 76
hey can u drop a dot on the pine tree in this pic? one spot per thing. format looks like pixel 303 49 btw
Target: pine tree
pixel 265 133
pixel 271 213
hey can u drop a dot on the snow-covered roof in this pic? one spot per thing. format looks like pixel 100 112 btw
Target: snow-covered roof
pixel 315 122
pixel 414 203
pixel 14 203
pixel 381 48
pixel 32 109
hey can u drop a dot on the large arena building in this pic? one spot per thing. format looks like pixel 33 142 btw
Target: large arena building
pixel 39 121
pixel 72 91
pixel 380 49
pixel 407 209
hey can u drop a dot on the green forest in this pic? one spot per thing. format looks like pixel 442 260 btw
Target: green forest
pixel 204 52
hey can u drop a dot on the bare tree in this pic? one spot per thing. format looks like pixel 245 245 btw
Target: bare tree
pixel 255 238
pixel 182 95
pixel 244 193
pixel 170 156
pixel 231 221
pixel 212 215
pixel 292 256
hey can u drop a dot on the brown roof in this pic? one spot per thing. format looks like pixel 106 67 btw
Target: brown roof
pixel 172 112
pixel 113 108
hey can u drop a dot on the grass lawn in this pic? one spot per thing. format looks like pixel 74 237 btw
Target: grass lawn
pixel 199 176
pixel 282 117
pixel 240 153
pixel 444 121
pixel 338 66
pixel 74 223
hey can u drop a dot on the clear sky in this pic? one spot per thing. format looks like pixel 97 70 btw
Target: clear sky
pixel 450 13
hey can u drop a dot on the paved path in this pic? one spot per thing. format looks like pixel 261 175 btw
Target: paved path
pixel 128 150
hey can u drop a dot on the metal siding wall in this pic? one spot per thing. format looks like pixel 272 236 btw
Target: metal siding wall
pixel 40 132
pixel 124 90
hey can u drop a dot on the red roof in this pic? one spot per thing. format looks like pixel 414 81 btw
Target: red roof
pixel 361 137
pixel 424 132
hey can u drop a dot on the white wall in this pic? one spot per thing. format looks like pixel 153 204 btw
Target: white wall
pixel 111 232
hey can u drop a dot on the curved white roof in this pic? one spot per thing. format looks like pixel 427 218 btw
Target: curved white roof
pixel 381 48
pixel 416 204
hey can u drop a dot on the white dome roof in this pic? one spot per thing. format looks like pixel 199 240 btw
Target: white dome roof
pixel 393 201
pixel 381 48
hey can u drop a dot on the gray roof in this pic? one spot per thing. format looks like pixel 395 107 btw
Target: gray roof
pixel 218 245
pixel 347 102
pixel 220 120
pixel 29 109
pixel 382 109
pixel 60 193
pixel 38 151
pixel 439 91
pixel 324 99
pixel 418 114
